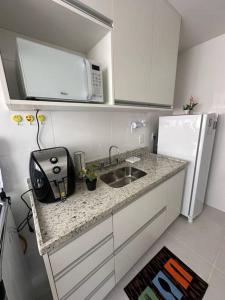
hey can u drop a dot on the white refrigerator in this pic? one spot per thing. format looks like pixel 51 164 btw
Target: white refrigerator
pixel 190 137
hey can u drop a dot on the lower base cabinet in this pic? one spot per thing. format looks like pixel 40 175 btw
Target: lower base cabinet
pixel 138 226
pixel 88 267
pixel 136 248
pixel 174 195
pixel 104 289
pixel 87 289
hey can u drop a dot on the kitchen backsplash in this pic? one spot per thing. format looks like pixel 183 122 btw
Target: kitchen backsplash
pixel 92 132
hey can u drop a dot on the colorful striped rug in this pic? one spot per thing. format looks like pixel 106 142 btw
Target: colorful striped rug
pixel 166 277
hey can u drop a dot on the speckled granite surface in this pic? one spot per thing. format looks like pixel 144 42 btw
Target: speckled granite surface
pixel 57 223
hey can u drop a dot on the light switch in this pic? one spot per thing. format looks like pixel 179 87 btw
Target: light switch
pixel 141 139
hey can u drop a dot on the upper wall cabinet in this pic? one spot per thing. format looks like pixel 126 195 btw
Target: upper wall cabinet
pixel 104 7
pixel 164 53
pixel 145 47
pixel 132 47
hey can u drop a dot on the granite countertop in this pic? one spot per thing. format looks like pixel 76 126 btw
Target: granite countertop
pixel 57 223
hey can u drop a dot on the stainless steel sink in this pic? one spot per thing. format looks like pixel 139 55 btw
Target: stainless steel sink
pixel 122 176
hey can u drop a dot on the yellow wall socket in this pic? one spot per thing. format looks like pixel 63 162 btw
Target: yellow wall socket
pixel 17 119
pixel 30 118
pixel 41 118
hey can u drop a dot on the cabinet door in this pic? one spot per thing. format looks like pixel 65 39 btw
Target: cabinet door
pixel 132 49
pixel 164 53
pixel 174 196
pixel 130 254
pixel 145 45
pixel 137 214
pixel 103 7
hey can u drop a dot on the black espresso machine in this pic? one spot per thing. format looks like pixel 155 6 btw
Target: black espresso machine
pixel 52 174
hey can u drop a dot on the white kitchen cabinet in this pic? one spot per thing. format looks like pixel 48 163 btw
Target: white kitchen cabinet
pixel 104 290
pixel 83 266
pixel 71 278
pixel 145 46
pixel 129 220
pixel 132 49
pixel 71 252
pixel 174 195
pixel 166 34
pixel 92 283
pixel 136 248
pixel 104 7
pixel 89 266
pixel 137 226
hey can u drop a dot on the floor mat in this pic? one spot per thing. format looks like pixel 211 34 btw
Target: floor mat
pixel 166 277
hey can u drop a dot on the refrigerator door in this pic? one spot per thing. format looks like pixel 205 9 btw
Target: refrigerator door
pixel 50 73
pixel 179 137
pixel 203 164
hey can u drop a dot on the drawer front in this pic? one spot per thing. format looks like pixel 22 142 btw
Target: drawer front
pixel 72 277
pixel 127 221
pixel 65 256
pixel 85 290
pixel 103 291
pixel 129 255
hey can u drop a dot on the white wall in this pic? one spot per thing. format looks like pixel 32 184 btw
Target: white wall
pixel 92 132
pixel 201 73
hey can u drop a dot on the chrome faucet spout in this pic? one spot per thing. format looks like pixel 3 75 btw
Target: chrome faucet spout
pixel 110 153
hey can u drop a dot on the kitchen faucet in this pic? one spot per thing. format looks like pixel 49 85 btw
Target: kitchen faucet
pixel 110 163
pixel 110 153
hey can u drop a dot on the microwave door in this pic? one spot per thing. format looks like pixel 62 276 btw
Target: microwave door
pixel 78 85
pixel 50 73
pixel 76 82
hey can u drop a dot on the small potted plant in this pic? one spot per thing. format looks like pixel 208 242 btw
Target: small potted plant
pixel 90 177
pixel 188 108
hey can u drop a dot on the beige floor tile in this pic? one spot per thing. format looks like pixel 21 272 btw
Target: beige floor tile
pixel 202 236
pixel 220 260
pixel 214 216
pixel 216 289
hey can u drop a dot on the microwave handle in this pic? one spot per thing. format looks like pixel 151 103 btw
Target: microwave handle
pixel 89 78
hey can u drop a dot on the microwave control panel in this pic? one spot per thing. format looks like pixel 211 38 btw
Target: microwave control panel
pixel 97 83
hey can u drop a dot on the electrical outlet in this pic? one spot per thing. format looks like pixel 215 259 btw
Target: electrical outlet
pixel 141 139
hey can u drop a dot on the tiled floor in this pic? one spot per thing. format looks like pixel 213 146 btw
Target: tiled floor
pixel 200 245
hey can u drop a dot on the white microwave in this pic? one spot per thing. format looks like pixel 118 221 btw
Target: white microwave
pixel 47 73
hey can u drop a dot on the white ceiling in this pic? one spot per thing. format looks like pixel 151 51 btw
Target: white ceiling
pixel 201 20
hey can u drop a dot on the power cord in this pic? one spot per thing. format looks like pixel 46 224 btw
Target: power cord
pixel 38 129
pixel 26 221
